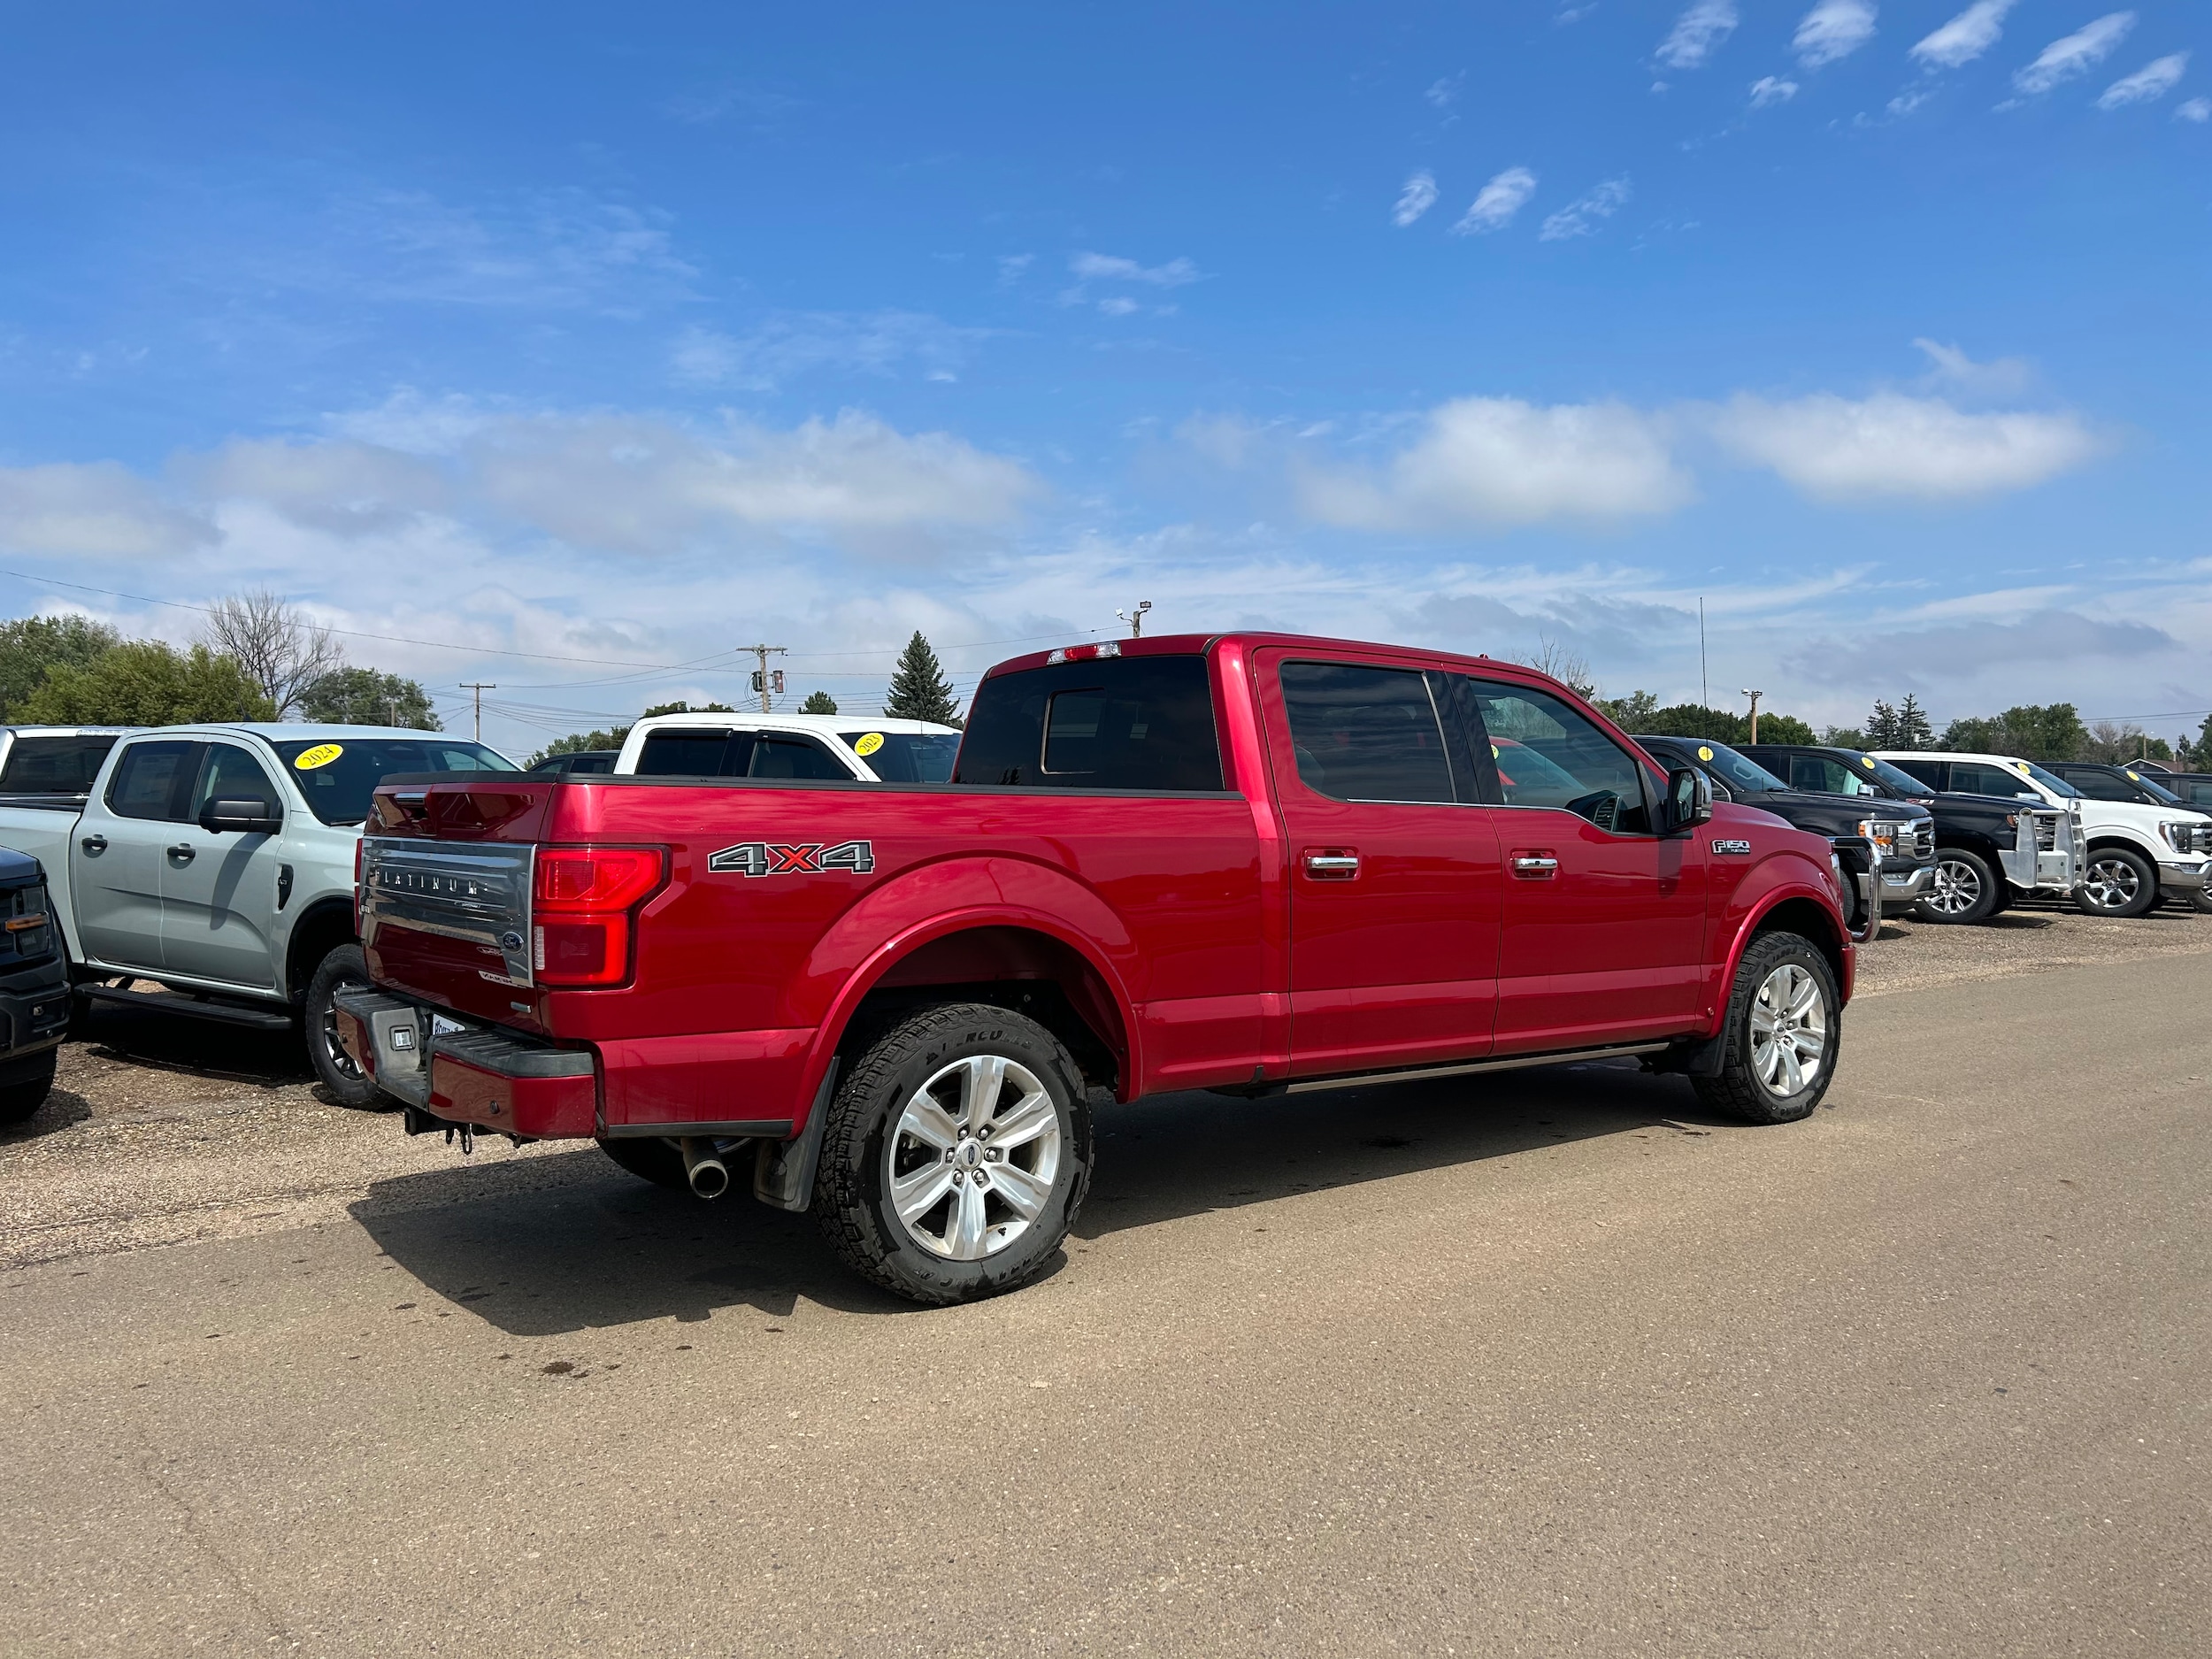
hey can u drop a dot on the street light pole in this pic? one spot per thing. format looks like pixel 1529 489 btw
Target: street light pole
pixel 1755 697
pixel 1135 619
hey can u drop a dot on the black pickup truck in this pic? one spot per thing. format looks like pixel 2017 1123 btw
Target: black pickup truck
pixel 34 988
pixel 1989 849
pixel 1890 849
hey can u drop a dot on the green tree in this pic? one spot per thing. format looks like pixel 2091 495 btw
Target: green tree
pixel 2044 732
pixel 1692 720
pixel 920 690
pixel 1783 728
pixel 685 708
pixel 819 703
pixel 1845 737
pixel 1633 713
pixel 577 742
pixel 31 645
pixel 1881 727
pixel 143 682
pixel 361 696
pixel 1913 729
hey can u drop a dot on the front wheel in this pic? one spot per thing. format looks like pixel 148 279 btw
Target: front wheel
pixel 344 968
pixel 955 1155
pixel 2201 899
pixel 1784 1023
pixel 2119 882
pixel 1965 888
pixel 20 1097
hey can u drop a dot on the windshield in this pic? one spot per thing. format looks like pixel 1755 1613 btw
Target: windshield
pixel 905 756
pixel 2157 791
pixel 1896 777
pixel 1742 774
pixel 2050 780
pixel 338 778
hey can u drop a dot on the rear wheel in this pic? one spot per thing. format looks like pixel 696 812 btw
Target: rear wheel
pixel 2118 882
pixel 955 1155
pixel 1785 1022
pixel 1965 888
pixel 21 1096
pixel 344 968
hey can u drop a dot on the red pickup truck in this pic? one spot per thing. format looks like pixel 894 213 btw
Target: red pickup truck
pixel 1248 862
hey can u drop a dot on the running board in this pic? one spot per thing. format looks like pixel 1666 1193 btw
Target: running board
pixel 1510 1062
pixel 191 1007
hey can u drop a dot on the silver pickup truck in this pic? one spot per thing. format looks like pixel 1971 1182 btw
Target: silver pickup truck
pixel 216 862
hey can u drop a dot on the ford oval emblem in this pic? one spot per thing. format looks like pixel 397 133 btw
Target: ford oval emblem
pixel 511 941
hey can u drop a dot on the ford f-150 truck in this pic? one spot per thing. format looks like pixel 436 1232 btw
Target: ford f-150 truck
pixel 218 861
pixel 1250 863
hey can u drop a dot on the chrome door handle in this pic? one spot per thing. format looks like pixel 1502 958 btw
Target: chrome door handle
pixel 183 850
pixel 1332 866
pixel 94 844
pixel 1534 864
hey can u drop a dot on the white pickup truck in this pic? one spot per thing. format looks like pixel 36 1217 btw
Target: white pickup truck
pixel 218 861
pixel 832 746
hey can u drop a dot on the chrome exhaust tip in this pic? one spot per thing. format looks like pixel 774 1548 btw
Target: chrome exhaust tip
pixel 704 1169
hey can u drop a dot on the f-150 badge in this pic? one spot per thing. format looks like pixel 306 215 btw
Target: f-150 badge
pixel 1718 847
pixel 770 859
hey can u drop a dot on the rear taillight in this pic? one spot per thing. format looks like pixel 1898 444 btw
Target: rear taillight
pixel 581 901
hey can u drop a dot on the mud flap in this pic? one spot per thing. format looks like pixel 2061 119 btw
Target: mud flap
pixel 783 1170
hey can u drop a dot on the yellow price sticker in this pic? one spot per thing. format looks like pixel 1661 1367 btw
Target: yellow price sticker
pixel 321 755
pixel 2135 777
pixel 1867 761
pixel 868 744
pixel 1704 753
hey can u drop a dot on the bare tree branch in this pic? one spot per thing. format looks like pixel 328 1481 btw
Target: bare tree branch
pixel 1564 663
pixel 282 652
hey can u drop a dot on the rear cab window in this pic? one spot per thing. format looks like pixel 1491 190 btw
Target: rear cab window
pixel 338 778
pixel 905 756
pixel 720 752
pixel 1107 723
pixel 55 765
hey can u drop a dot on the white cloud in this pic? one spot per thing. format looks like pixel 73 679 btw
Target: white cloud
pixel 2076 54
pixel 1891 445
pixel 1415 199
pixel 2001 377
pixel 1698 33
pixel 95 510
pixel 1831 30
pixel 1496 204
pixel 1497 461
pixel 1118 305
pixel 1580 217
pixel 1966 36
pixel 1771 89
pixel 2153 82
pixel 2197 110
pixel 1106 267
pixel 1444 92
pixel 2037 639
pixel 801 342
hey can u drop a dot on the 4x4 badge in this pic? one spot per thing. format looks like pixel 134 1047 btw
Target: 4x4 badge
pixel 772 858
pixel 1731 846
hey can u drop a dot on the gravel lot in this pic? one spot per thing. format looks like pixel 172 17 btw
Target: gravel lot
pixel 164 1131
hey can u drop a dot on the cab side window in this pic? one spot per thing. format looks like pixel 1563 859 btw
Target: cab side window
pixel 1364 734
pixel 2101 786
pixel 152 779
pixel 693 753
pixel 1550 754
pixel 796 758
pixel 1974 776
pixel 232 774
pixel 1819 775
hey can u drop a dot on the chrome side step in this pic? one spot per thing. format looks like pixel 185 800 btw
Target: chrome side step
pixel 1509 1063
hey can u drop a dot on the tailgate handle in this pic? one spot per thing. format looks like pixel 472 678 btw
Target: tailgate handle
pixel 1335 864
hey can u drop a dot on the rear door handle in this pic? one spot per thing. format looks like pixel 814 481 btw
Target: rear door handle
pixel 94 844
pixel 182 851
pixel 1334 865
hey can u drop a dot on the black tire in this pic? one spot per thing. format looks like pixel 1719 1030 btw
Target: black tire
pixel 651 1159
pixel 342 1080
pixel 20 1098
pixel 1742 1091
pixel 2116 882
pixel 1965 889
pixel 869 1142
pixel 2201 899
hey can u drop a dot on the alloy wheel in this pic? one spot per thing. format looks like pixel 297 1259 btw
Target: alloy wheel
pixel 341 1061
pixel 2111 884
pixel 1789 1031
pixel 1957 890
pixel 971 1161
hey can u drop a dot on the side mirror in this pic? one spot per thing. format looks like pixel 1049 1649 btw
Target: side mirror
pixel 246 815
pixel 1689 799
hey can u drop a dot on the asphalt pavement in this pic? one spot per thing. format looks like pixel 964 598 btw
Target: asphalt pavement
pixel 1544 1364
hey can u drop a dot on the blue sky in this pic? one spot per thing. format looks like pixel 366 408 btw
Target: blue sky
pixel 612 338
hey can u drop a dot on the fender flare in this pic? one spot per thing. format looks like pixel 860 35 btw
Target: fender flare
pixel 959 896
pixel 1787 887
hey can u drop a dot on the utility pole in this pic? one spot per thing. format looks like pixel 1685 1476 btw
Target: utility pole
pixel 1755 697
pixel 479 686
pixel 762 653
pixel 1704 681
pixel 1135 619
